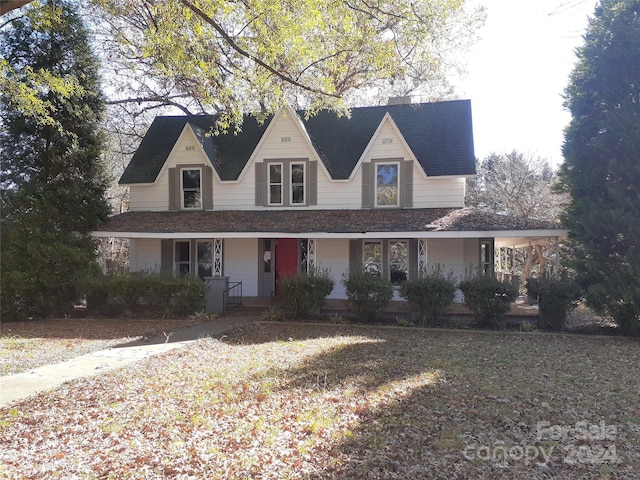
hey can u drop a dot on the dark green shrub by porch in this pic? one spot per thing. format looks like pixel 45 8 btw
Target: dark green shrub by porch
pixel 488 298
pixel 429 295
pixel 369 295
pixel 305 294
pixel 556 297
pixel 156 293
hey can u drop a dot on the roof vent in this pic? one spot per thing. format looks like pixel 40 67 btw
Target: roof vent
pixel 406 100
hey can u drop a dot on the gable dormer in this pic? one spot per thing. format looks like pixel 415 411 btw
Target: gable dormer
pixel 189 172
pixel 285 164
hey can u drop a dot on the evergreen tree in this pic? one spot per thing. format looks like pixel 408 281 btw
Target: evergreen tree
pixel 602 162
pixel 52 182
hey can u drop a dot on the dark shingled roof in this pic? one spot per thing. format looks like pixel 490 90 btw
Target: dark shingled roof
pixel 314 221
pixel 439 134
pixel 227 152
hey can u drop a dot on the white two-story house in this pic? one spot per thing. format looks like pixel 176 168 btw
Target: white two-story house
pixel 382 189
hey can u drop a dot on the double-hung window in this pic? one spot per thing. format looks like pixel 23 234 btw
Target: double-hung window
pixel 184 261
pixel 297 196
pixel 387 186
pixel 386 258
pixel 191 187
pixel 205 258
pixel 275 184
pixel 398 261
pixel 182 257
pixel 286 183
pixel 372 258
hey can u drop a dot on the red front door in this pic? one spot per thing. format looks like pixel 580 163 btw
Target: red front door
pixel 286 259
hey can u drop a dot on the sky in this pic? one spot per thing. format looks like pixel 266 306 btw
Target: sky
pixel 517 74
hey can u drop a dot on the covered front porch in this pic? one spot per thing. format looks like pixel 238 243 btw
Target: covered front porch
pixel 257 248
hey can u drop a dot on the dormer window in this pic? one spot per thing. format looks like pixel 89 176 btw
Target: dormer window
pixel 387 187
pixel 387 183
pixel 275 184
pixel 297 184
pixel 286 183
pixel 191 188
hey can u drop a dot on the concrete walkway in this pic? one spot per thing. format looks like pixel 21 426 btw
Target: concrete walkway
pixel 22 385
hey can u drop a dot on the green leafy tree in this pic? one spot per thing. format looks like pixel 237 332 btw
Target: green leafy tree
pixel 236 58
pixel 51 178
pixel 602 162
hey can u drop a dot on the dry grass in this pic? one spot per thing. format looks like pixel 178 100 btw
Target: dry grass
pixel 318 402
pixel 26 345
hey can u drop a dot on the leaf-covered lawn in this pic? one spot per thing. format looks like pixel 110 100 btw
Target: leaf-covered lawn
pixel 318 402
pixel 26 345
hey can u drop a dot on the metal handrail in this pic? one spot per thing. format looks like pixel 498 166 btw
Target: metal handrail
pixel 232 296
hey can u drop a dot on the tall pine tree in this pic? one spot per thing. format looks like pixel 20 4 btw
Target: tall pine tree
pixel 52 180
pixel 602 162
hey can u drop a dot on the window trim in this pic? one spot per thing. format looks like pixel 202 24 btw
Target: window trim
pixel 182 188
pixel 381 163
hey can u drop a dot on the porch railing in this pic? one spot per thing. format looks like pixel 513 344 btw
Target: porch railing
pixel 232 296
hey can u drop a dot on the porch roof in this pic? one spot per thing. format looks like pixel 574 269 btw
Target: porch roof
pixel 388 223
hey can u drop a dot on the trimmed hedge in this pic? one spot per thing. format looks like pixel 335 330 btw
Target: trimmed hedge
pixel 305 294
pixel 555 297
pixel 488 298
pixel 155 293
pixel 368 294
pixel 430 295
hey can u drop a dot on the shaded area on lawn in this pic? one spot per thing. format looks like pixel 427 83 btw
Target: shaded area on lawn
pixel 30 344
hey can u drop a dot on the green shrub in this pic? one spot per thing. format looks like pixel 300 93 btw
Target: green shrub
pixel 556 297
pixel 305 294
pixel 488 298
pixel 369 295
pixel 156 293
pixel 429 295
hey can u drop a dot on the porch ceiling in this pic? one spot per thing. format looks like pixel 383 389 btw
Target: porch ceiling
pixel 418 223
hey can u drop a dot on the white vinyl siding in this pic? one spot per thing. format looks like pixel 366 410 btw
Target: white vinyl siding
pixel 332 254
pixel 428 192
pixel 241 264
pixel 145 255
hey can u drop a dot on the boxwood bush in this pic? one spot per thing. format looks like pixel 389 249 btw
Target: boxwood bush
pixel 305 294
pixel 488 298
pixel 429 295
pixel 555 297
pixel 369 295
